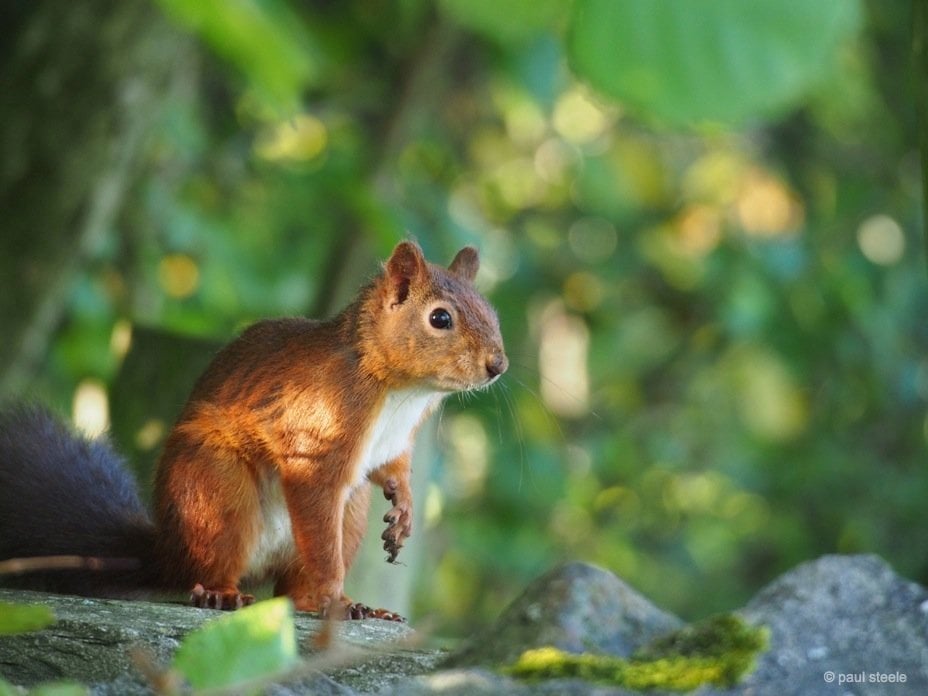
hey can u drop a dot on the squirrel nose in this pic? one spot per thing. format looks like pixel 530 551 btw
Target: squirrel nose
pixel 497 363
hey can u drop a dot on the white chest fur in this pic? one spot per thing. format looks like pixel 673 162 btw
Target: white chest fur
pixel 274 545
pixel 390 434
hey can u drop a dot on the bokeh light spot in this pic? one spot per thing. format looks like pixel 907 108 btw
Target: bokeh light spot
pixel 121 338
pixel 179 275
pixel 766 207
pixel 881 240
pixel 700 229
pixel 298 139
pixel 583 291
pixel 562 358
pixel 150 434
pixel 470 456
pixel 592 239
pixel 578 119
pixel 91 408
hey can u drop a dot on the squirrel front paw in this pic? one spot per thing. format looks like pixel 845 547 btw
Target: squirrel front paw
pixel 227 599
pixel 399 527
pixel 398 519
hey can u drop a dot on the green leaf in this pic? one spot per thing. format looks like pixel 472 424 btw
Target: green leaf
pixel 263 39
pixel 22 618
pixel 506 20
pixel 710 61
pixel 253 644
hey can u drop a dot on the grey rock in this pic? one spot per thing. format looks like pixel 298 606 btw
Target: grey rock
pixel 576 607
pixel 320 685
pixel 846 616
pixel 475 681
pixel 123 685
pixel 92 639
pixel 850 616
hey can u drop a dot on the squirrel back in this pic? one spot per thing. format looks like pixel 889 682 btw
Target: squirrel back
pixel 61 494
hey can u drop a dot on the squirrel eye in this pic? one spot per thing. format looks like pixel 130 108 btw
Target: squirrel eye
pixel 440 318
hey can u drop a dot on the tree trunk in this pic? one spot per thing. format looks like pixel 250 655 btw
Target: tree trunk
pixel 79 92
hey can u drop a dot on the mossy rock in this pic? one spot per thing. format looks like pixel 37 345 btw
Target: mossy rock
pixel 717 651
pixel 577 608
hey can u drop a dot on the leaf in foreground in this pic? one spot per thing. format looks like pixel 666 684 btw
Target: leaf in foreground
pixel 254 643
pixel 23 618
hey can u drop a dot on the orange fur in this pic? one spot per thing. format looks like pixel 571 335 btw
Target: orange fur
pixel 266 473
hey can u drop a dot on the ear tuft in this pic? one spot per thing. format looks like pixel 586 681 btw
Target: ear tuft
pixel 466 264
pixel 404 266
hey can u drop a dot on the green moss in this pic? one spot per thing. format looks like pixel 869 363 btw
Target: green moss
pixel 719 650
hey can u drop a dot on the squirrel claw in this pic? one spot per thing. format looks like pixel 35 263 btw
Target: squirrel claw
pixel 347 610
pixel 399 528
pixel 356 611
pixel 393 537
pixel 398 518
pixel 227 600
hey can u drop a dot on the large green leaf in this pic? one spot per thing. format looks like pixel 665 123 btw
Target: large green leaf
pixel 708 61
pixel 240 649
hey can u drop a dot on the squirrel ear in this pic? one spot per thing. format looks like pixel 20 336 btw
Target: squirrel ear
pixel 466 264
pixel 405 264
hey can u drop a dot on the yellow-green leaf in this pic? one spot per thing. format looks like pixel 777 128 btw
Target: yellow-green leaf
pixel 242 648
pixel 22 618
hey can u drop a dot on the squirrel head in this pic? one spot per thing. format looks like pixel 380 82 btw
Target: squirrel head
pixel 429 327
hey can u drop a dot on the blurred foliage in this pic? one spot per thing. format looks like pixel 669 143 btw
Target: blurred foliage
pixel 707 276
pixel 261 38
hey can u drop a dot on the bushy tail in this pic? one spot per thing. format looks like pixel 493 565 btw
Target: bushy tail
pixel 61 494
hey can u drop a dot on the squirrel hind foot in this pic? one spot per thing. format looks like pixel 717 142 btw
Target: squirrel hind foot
pixel 226 599
pixel 356 610
pixel 346 610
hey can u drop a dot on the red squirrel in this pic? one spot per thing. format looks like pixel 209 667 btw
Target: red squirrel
pixel 267 472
